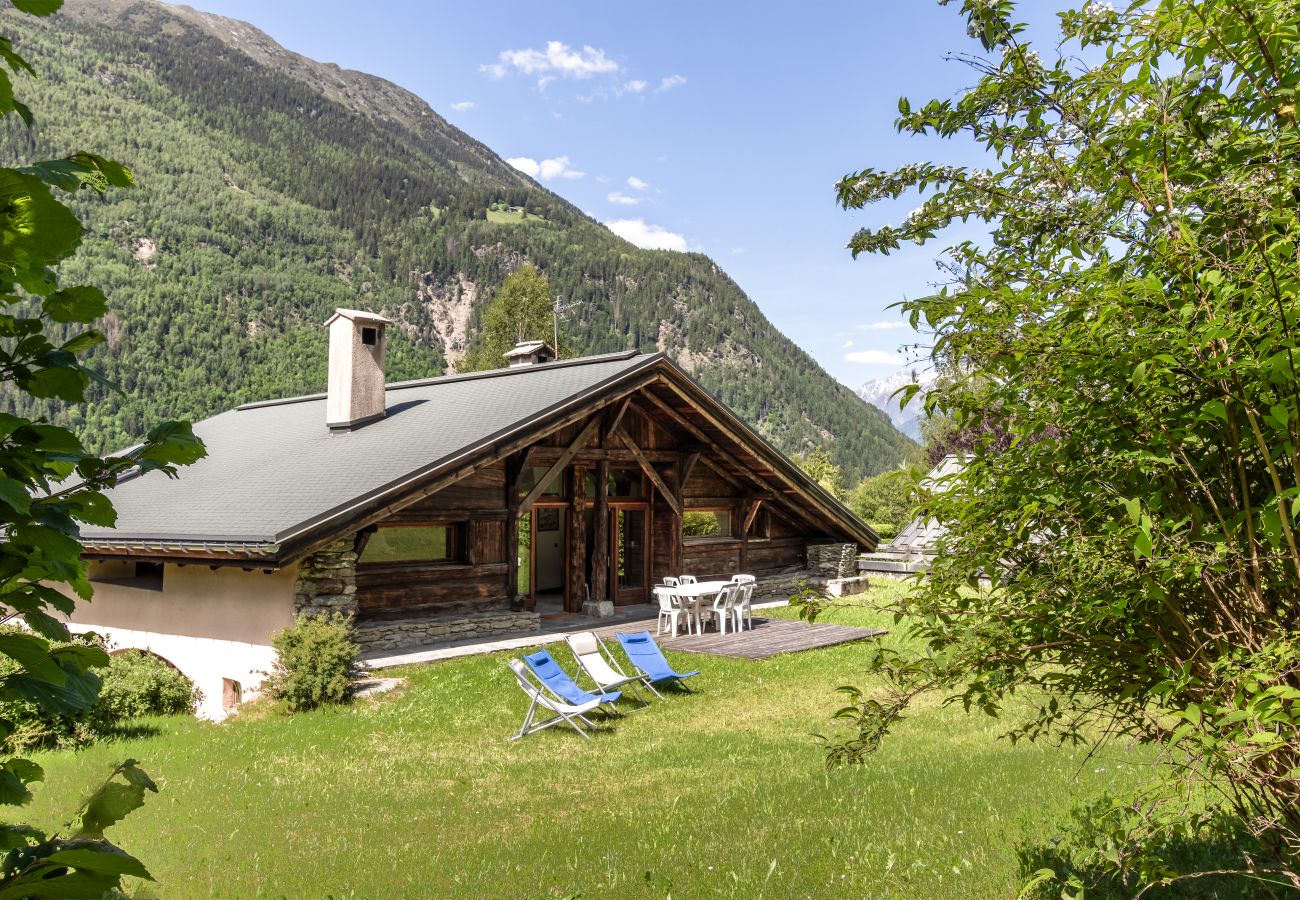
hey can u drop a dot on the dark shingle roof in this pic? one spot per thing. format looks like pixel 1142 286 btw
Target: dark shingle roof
pixel 274 468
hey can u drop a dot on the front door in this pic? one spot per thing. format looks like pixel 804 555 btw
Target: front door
pixel 630 552
pixel 549 564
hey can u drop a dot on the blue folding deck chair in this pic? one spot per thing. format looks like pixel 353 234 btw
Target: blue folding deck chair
pixel 648 659
pixel 559 683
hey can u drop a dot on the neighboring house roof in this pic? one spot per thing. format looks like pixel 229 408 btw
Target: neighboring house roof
pixel 919 536
pixel 275 474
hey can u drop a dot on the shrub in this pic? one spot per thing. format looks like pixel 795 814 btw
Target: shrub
pixel 137 683
pixel 886 530
pixel 315 662
pixel 34 727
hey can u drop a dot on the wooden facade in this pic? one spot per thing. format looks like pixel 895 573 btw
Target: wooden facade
pixel 592 508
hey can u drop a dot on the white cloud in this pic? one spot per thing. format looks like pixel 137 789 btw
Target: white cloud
pixel 883 326
pixel 846 345
pixel 649 237
pixel 557 60
pixel 874 357
pixel 637 184
pixel 463 105
pixel 635 86
pixel 668 82
pixel 546 169
pixel 739 251
pixel 622 199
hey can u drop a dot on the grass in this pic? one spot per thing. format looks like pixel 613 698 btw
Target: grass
pixel 501 214
pixel 719 793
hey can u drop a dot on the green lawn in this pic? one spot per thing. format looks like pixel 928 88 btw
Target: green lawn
pixel 720 793
pixel 501 214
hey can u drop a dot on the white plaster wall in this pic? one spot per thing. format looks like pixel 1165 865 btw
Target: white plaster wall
pixel 209 623
pixel 205 660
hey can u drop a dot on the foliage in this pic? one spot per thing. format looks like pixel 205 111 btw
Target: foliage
pixel 521 311
pixel 265 202
pixel 32 724
pixel 48 483
pixel 315 662
pixel 1123 346
pixel 886 499
pixel 817 465
pixel 138 683
pixel 699 524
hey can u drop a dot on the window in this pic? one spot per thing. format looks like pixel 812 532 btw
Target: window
pixel 370 336
pixel 706 523
pixel 529 477
pixel 626 484
pixel 412 543
pixel 146 576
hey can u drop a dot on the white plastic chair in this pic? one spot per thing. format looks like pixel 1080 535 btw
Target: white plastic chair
pixel 600 665
pixel 721 610
pixel 670 608
pixel 742 579
pixel 741 608
pixel 669 581
pixel 686 579
pixel 564 712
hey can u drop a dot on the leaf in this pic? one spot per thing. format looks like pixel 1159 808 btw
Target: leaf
pixel 32 653
pixel 14 495
pixel 100 857
pixel 15 775
pixel 61 383
pixel 38 7
pixel 76 304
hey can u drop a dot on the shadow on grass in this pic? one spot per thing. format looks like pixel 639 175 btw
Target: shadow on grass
pixel 130 730
pixel 1086 855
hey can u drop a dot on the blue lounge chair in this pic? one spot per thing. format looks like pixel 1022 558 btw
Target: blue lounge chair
pixel 559 683
pixel 648 659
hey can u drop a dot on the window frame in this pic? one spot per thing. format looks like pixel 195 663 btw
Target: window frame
pixel 456 545
pixel 731 535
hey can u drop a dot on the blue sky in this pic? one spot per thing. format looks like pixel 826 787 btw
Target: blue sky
pixel 713 127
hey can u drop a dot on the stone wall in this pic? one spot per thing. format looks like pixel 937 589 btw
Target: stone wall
pixel 402 633
pixel 833 560
pixel 327 581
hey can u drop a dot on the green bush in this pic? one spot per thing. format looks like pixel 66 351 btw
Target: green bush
pixel 887 530
pixel 34 727
pixel 138 683
pixel 315 662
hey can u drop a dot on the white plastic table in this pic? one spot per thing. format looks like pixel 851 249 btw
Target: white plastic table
pixel 697 592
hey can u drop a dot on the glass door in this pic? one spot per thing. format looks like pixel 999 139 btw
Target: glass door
pixel 629 553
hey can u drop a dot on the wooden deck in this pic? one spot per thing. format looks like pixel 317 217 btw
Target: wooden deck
pixel 768 638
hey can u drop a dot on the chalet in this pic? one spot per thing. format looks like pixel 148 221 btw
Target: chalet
pixel 447 508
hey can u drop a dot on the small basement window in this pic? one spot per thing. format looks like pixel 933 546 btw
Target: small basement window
pixel 706 523
pixel 369 336
pixel 412 543
pixel 146 576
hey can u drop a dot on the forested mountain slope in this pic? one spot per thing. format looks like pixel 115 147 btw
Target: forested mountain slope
pixel 273 188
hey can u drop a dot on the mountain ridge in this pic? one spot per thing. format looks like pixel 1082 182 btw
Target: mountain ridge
pixel 274 188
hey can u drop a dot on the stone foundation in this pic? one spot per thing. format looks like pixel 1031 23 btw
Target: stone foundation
pixel 833 560
pixel 327 581
pixel 401 633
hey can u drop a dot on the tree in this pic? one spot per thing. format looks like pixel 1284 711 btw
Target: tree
pixel 48 483
pixel 1123 354
pixel 521 311
pixel 885 501
pixel 817 465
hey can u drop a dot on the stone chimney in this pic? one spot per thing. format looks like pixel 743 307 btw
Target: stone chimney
pixel 356 377
pixel 530 353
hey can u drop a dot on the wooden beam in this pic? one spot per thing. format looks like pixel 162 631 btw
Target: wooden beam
pixel 577 540
pixel 667 492
pixel 557 467
pixel 617 422
pixel 688 465
pixel 753 513
pixel 708 442
pixel 514 466
pixel 600 538
pixel 798 510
